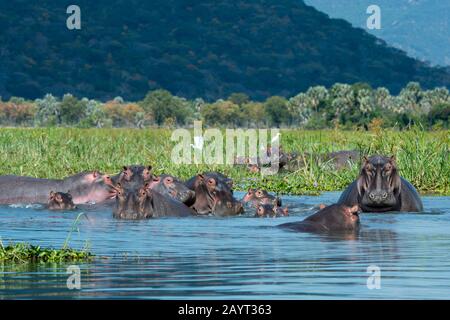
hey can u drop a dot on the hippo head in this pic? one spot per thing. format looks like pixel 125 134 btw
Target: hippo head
pixel 214 196
pixel 337 217
pixel 134 175
pixel 260 196
pixel 204 187
pixel 264 197
pixel 379 185
pixel 60 201
pixel 130 202
pixel 171 186
pixel 249 196
pixel 224 204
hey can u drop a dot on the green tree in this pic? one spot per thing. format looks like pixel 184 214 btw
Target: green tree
pixel 162 105
pixel 239 98
pixel 49 109
pixel 277 110
pixel 72 110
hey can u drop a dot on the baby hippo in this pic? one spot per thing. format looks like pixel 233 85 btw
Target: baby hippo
pixel 255 197
pixel 60 201
pixel 270 211
pixel 335 217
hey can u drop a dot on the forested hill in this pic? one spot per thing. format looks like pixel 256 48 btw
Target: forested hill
pixel 197 48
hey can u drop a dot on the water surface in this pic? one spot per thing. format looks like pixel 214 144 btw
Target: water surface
pixel 233 258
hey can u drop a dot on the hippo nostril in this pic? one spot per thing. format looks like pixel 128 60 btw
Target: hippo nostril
pixel 372 196
pixel 384 195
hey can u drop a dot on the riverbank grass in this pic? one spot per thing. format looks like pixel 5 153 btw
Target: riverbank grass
pixel 422 156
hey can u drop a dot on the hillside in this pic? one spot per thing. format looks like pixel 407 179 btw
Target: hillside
pixel 419 27
pixel 203 49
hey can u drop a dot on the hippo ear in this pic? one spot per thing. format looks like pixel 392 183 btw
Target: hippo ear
pixel 361 185
pixel 147 187
pixel 95 174
pixel 395 183
pixel 52 195
pixel 286 211
pixel 392 160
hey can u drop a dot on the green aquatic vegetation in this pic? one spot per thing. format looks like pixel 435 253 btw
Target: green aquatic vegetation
pixel 24 252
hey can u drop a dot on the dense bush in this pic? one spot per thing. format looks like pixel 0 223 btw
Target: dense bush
pixel 343 105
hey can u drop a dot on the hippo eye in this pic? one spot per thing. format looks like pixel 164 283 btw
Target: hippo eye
pixel 211 181
pixel 169 180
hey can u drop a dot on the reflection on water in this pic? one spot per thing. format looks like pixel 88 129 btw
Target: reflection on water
pixel 234 258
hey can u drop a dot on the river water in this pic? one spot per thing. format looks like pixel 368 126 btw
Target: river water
pixel 234 258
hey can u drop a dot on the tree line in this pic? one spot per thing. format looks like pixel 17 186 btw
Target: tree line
pixel 342 105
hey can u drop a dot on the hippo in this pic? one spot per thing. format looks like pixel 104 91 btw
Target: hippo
pixel 60 201
pixel 333 218
pixel 254 197
pixel 380 188
pixel 133 175
pixel 213 196
pixel 86 187
pixel 270 210
pixel 170 186
pixel 342 159
pixel 222 181
pixel 143 203
pixel 225 205
pixel 339 160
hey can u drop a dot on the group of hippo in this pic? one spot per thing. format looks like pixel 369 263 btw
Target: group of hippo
pixel 293 161
pixel 136 193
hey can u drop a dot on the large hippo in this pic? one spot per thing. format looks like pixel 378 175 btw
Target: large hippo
pixel 170 186
pixel 143 203
pixel 380 188
pixel 334 218
pixel 213 196
pixel 85 187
